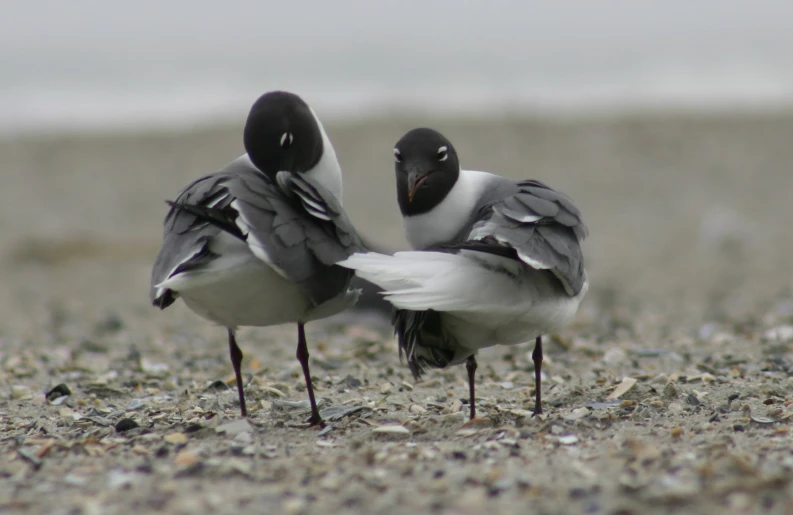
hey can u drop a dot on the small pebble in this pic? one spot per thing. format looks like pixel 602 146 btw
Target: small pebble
pixel 185 458
pixel 568 440
pixel 392 430
pixel 614 355
pixel 71 479
pixel 352 382
pixel 120 479
pixel 660 379
pixel 125 424
pixel 192 428
pixel 57 392
pixel 576 414
pixel 21 392
pixel 235 427
pixel 175 438
pixel 217 385
pixel 417 410
pixel 670 391
pixel 293 506
pixel 136 404
pixel 675 407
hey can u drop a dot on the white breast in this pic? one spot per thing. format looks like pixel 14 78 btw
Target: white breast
pixel 327 171
pixel 446 219
pixel 239 289
pixel 533 306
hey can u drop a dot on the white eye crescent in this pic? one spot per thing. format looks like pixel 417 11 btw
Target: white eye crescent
pixel 443 153
pixel 397 155
pixel 287 139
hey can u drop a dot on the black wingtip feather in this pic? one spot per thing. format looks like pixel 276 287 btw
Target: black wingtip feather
pixel 488 245
pixel 164 300
pixel 420 337
pixel 224 219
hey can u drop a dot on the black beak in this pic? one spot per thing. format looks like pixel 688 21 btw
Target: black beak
pixel 415 179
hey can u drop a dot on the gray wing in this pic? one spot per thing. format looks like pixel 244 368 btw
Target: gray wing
pixel 186 239
pixel 291 223
pixel 538 225
pixel 302 229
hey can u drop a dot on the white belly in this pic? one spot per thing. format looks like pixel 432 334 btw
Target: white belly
pixel 239 289
pixel 543 311
pixel 251 294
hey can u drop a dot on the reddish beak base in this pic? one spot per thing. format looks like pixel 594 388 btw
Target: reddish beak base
pixel 414 187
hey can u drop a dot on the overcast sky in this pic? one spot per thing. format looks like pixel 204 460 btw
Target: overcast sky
pixel 99 60
pixel 287 27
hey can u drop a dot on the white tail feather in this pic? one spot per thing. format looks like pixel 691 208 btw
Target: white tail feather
pixel 420 280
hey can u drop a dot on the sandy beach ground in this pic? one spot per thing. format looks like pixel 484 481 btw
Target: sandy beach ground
pixel 691 268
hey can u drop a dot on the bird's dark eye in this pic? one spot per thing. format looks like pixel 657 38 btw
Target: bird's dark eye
pixel 287 139
pixel 397 155
pixel 443 153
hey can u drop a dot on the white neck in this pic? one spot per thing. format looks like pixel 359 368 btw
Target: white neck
pixel 445 220
pixel 327 171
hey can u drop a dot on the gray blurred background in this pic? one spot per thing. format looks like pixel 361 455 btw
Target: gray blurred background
pixel 136 64
pixel 669 123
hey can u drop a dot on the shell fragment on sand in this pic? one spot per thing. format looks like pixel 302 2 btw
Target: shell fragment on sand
pixel 622 388
pixel 392 430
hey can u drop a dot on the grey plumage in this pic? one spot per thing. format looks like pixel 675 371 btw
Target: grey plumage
pixel 256 244
pixel 304 248
pixel 525 221
pixel 543 226
pixel 185 237
pixel 497 262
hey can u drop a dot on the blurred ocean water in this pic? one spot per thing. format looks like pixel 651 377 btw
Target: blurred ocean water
pixel 94 65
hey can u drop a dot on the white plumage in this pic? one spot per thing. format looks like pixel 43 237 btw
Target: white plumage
pixel 449 216
pixel 486 300
pixel 255 244
pixel 498 262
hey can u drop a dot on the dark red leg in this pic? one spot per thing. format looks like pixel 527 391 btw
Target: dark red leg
pixel 302 357
pixel 236 362
pixel 470 365
pixel 536 356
